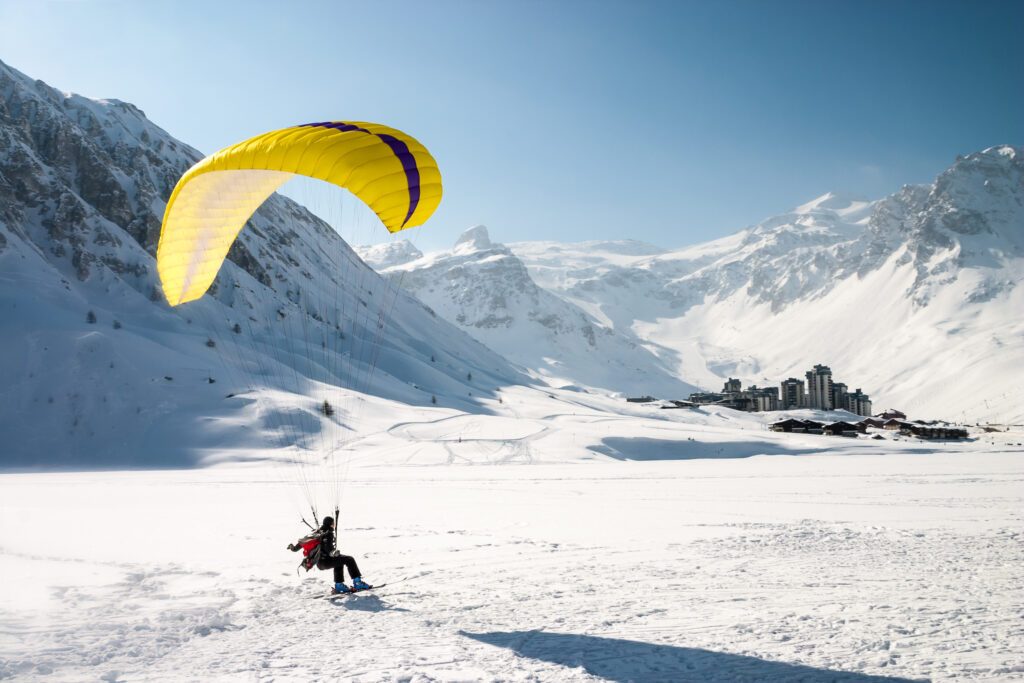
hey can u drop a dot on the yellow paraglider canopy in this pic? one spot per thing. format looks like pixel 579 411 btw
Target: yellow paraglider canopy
pixel 388 170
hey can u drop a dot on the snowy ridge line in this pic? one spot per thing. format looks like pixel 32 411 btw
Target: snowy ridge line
pixel 80 221
pixel 939 267
pixel 484 288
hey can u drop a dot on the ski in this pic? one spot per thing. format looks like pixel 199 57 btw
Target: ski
pixel 342 595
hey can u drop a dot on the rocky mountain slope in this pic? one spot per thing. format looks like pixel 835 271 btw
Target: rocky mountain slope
pixel 485 289
pixel 95 368
pixel 914 298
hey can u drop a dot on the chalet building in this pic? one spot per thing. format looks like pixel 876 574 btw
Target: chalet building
pixel 793 396
pixel 918 428
pixel 892 415
pixel 790 425
pixel 819 387
pixel 813 427
pixel 841 429
pixel 926 432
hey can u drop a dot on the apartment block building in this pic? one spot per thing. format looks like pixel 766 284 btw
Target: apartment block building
pixel 858 403
pixel 819 387
pixel 793 395
pixel 819 392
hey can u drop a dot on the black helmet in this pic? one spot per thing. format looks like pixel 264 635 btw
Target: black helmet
pixel 328 521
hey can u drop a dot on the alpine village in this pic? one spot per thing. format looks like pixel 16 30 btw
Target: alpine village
pixel 818 392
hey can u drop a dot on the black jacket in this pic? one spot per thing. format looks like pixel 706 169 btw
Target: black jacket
pixel 326 548
pixel 327 541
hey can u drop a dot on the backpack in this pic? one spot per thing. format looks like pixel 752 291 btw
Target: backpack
pixel 310 547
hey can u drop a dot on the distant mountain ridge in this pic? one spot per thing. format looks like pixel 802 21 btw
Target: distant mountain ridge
pixel 915 297
pixel 485 288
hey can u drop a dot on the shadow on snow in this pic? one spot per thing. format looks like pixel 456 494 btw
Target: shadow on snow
pixel 629 660
pixel 642 448
pixel 364 603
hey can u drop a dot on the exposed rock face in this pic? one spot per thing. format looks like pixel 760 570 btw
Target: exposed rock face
pixel 83 186
pixel 971 214
pixel 106 155
pixel 487 290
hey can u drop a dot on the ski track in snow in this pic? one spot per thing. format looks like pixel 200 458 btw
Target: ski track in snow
pixel 832 559
pixel 857 569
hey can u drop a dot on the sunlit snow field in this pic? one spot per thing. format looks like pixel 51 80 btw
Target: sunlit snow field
pixel 872 561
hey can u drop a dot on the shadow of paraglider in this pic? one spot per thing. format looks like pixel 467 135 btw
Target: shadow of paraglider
pixel 621 660
pixel 364 603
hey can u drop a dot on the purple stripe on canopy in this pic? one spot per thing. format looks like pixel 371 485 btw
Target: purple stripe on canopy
pixel 400 149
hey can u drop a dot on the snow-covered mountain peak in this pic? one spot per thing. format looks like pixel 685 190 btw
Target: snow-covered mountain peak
pixel 824 220
pixel 981 193
pixel 840 203
pixel 894 291
pixel 485 288
pixel 389 254
pixel 475 239
pixel 1002 150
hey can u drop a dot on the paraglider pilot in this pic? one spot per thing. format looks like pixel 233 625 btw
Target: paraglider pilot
pixel 321 550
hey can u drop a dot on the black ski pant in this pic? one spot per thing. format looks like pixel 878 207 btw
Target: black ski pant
pixel 339 563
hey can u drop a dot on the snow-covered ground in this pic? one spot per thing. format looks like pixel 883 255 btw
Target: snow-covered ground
pixel 820 559
pixel 526 532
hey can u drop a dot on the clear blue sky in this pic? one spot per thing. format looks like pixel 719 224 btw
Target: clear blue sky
pixel 672 122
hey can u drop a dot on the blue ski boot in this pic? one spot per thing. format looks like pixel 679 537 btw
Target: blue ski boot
pixel 340 588
pixel 359 585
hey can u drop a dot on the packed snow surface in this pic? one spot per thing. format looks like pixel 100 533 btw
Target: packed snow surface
pixel 530 525
pixel 667 557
